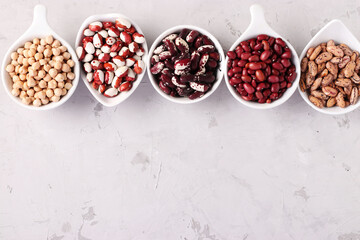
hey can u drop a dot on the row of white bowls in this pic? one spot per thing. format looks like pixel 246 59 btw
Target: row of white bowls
pixel 335 30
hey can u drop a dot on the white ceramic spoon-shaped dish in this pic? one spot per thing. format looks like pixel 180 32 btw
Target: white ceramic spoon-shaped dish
pixel 38 29
pixel 338 32
pixel 106 101
pixel 219 73
pixel 258 26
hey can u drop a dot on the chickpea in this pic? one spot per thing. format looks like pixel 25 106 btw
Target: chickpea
pixel 26 100
pixel 58 65
pixel 47 78
pixel 42 62
pixel 61 84
pixel 22 70
pixel 32 72
pixel 31 82
pixel 27 45
pixel 47 67
pixel 52 84
pixel 63 92
pixel 37 102
pixel 41 74
pixel 68 86
pixel 23 94
pixel 63 49
pixel 15 63
pixel 20 59
pixel 57 91
pixel 31 60
pixel 31 52
pixel 49 93
pixel 47 52
pixel 17 68
pixel 40 49
pixel 55 98
pixel 53 72
pixel 71 63
pixel 66 55
pixel 12 74
pixel 36 41
pixel 15 92
pixel 34 46
pixel 41 94
pixel 25 62
pixel 70 75
pixel 14 55
pixel 59 77
pixel 15 78
pixel 38 56
pixel 56 51
pixel 42 84
pixel 10 68
pixel 66 68
pixel 18 84
pixel 30 92
pixel 36 65
pixel 52 63
pixel 22 77
pixel 49 39
pixel 37 89
pixel 59 58
pixel 20 51
pixel 44 101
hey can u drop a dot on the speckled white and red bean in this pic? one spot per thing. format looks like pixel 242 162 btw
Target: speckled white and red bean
pixel 111 53
pixel 185 64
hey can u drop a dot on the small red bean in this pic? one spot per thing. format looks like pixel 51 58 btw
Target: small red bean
pixel 275 87
pixel 231 54
pixel 237 69
pixel 277 66
pixel 241 63
pixel 254 58
pixel 286 54
pixel 280 42
pixel 278 49
pixel 234 81
pixel 245 55
pixel 259 75
pixel 255 65
pixel 246 78
pixel 265 55
pixel 259 95
pixel 262 37
pixel 273 79
pixel 248 88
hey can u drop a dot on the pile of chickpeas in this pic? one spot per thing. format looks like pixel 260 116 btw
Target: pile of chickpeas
pixel 42 71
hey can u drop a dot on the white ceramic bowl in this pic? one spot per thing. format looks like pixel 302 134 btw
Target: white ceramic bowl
pixel 219 74
pixel 338 32
pixel 38 29
pixel 258 26
pixel 106 101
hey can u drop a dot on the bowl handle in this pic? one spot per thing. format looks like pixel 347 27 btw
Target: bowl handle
pixel 39 22
pixel 258 20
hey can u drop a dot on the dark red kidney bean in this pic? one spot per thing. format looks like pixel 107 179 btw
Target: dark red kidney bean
pixel 194 60
pixel 251 72
pixel 291 77
pixel 274 96
pixel 237 69
pixel 196 95
pixel 268 70
pixel 237 75
pixel 207 40
pixel 277 66
pixel 245 55
pixel 273 58
pixel 258 47
pixel 248 98
pixel 266 45
pixel 275 87
pixel 273 79
pixel 245 46
pixel 254 58
pixel 231 54
pixel 283 84
pixel 258 53
pixel 167 81
pixel 164 88
pixel 255 65
pixel 248 88
pixel 253 83
pixel 230 73
pixel 184 92
pixel 244 72
pixel 278 49
pixel 169 64
pixel 271 41
pixel 229 63
pixel 259 75
pixel 265 55
pixel 280 42
pixel 262 37
pixel 262 100
pixel 266 92
pixel 235 63
pixel 184 32
pixel 193 34
pixel 252 43
pixel 246 78
pixel 233 81
pixel 241 91
pixel 260 86
pixel 207 77
pixel 285 62
pixel 286 54
pixel 292 69
pixel 170 45
pixel 241 63
pixel 259 95
pixel 263 65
